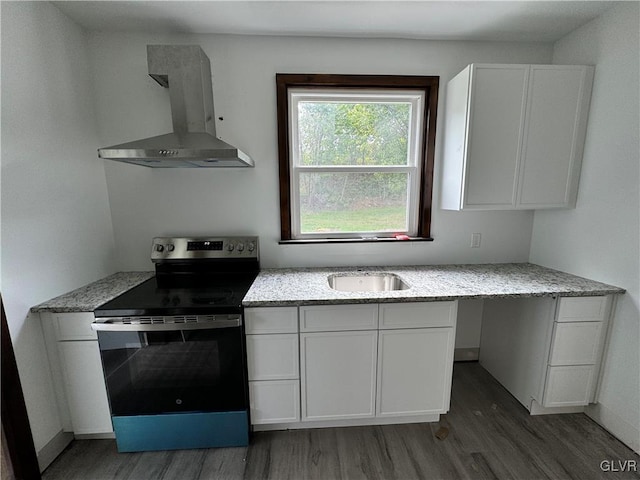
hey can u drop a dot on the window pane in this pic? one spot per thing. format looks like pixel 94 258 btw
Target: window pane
pixel 353 133
pixel 353 202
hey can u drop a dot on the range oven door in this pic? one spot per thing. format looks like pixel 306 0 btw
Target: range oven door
pixel 173 367
pixel 175 384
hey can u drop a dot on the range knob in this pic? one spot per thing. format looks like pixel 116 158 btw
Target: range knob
pixel 230 246
pixel 171 247
pixel 240 247
pixel 251 247
pixel 159 248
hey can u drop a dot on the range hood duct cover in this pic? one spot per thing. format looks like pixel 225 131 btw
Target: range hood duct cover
pixel 185 70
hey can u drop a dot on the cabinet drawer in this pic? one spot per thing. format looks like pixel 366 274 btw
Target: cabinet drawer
pixel 271 320
pixel 417 315
pixel 334 318
pixel 575 343
pixel 272 357
pixel 582 309
pixel 275 401
pixel 74 326
pixel 568 386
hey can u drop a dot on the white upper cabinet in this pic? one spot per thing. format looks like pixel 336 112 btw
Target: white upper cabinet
pixel 514 136
pixel 484 118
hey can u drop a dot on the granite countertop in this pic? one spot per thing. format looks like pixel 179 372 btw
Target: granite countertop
pixel 307 286
pixel 281 287
pixel 89 297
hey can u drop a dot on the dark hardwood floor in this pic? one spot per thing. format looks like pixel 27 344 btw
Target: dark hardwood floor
pixel 490 436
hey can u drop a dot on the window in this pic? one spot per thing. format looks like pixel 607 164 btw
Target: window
pixel 356 156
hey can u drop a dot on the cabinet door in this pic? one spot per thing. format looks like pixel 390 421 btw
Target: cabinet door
pixel 569 386
pixel 274 401
pixel 555 127
pixel 85 387
pixel 575 343
pixel 272 357
pixel 414 371
pixel 495 124
pixel 338 374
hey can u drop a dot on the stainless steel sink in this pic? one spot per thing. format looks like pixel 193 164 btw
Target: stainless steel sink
pixel 375 282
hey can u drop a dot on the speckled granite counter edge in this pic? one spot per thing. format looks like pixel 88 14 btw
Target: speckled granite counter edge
pixel 432 282
pixel 91 296
pixel 299 303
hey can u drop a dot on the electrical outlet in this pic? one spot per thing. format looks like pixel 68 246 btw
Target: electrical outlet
pixel 475 240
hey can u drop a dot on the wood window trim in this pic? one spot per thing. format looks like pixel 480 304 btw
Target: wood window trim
pixel 428 84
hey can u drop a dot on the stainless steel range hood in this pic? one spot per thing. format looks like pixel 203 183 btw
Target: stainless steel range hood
pixel 185 70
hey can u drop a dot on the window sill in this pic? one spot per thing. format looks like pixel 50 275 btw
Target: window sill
pixel 308 241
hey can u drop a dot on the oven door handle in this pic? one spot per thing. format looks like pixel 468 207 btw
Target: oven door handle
pixel 110 326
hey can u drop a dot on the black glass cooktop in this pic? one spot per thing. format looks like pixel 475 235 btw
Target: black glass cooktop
pixel 180 295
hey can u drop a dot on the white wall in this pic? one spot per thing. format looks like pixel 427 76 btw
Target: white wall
pixel 149 202
pixel 56 225
pixel 599 239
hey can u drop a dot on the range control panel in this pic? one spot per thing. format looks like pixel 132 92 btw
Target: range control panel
pixel 180 248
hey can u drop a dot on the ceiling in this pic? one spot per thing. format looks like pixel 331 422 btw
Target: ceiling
pixel 518 21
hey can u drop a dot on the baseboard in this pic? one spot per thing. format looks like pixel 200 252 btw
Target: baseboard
pixel 353 422
pixel 53 448
pixel 95 436
pixel 537 409
pixel 466 354
pixel 615 425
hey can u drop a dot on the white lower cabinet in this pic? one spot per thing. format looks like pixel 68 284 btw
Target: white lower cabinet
pixel 546 352
pixel 86 390
pixel 414 371
pixel 338 373
pixel 272 364
pixel 74 356
pixel 577 342
pixel 415 358
pixel 357 363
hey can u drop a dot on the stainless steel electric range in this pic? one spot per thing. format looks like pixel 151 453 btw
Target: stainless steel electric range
pixel 173 350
